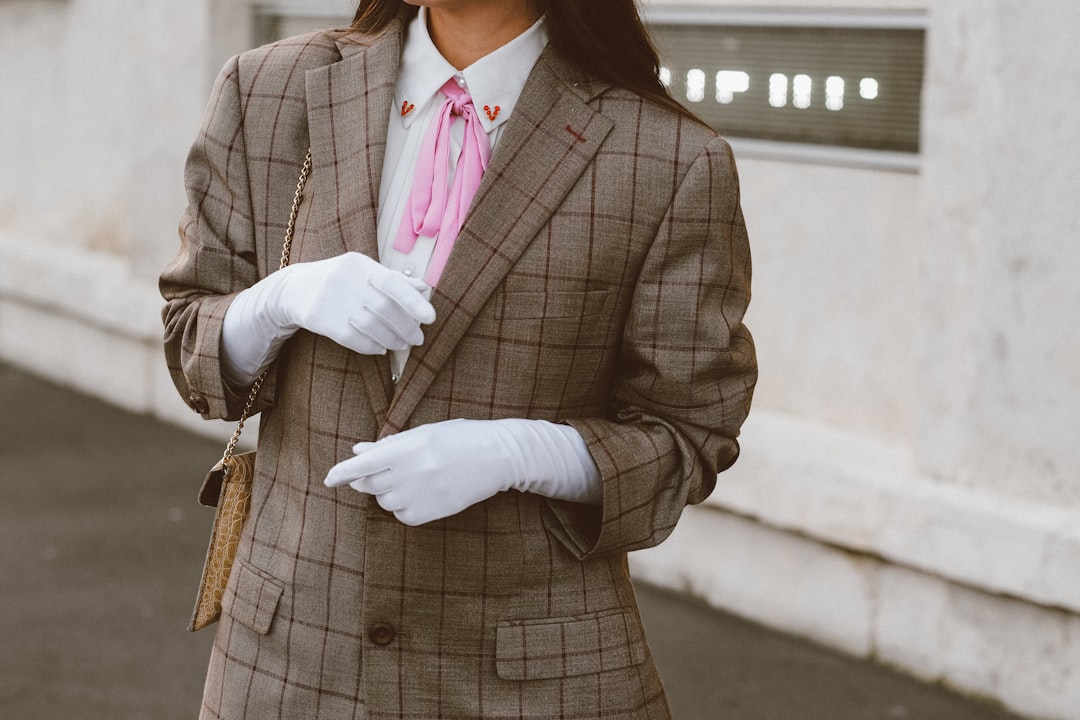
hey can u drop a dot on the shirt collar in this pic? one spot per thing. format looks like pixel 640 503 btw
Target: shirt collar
pixel 495 80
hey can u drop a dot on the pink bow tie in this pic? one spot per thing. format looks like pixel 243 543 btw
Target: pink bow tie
pixel 432 210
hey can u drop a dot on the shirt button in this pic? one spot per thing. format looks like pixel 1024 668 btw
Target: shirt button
pixel 407 272
pixel 394 377
pixel 382 634
pixel 460 81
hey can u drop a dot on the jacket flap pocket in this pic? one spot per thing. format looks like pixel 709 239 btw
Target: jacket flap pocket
pixel 251 598
pixel 565 647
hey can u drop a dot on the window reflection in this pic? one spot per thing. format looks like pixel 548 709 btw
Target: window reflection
pixel 729 82
pixel 834 93
pixel 868 89
pixel 778 87
pixel 802 91
pixel 798 90
pixel 695 85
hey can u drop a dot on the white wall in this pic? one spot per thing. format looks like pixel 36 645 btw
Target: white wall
pixel 99 96
pixel 100 101
pixel 910 478
pixel 910 483
pixel 1001 259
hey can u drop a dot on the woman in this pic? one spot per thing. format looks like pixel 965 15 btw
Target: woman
pixel 477 403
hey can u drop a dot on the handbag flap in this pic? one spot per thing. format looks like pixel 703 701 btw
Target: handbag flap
pixel 210 492
pixel 243 470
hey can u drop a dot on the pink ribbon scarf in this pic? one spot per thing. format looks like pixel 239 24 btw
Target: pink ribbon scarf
pixel 433 210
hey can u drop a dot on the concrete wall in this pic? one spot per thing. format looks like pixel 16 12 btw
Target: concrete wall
pixel 910 477
pixel 910 483
pixel 99 102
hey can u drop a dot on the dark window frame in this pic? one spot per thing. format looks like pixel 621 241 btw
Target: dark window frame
pixel 870 133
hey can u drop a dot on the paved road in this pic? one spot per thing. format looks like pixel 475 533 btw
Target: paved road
pixel 100 550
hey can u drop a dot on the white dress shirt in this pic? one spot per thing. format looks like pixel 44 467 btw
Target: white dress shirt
pixel 495 80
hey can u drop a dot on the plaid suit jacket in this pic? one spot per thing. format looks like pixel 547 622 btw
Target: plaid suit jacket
pixel 600 280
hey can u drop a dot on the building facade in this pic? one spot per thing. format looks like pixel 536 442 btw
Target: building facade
pixel 909 488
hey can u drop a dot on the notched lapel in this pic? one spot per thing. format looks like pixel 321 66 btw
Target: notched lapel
pixel 348 111
pixel 550 140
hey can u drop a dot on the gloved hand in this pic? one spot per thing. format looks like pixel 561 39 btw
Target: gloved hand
pixel 434 471
pixel 351 299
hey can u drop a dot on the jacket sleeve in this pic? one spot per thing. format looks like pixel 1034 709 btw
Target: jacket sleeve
pixel 685 373
pixel 217 255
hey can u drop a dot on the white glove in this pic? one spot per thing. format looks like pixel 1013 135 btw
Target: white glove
pixel 351 299
pixel 434 471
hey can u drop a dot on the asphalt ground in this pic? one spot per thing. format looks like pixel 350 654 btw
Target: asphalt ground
pixel 101 545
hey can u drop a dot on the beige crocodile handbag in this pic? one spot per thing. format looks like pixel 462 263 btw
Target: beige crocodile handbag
pixel 228 484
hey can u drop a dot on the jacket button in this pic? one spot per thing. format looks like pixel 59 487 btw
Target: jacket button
pixel 382 634
pixel 199 404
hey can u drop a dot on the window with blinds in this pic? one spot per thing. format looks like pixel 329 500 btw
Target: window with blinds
pixel 853 87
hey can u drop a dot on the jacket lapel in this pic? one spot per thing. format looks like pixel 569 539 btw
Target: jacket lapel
pixel 348 113
pixel 348 105
pixel 517 196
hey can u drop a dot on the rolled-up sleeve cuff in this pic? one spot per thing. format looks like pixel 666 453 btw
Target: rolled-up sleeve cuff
pixel 212 396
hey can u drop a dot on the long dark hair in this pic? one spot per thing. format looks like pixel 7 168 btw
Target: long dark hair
pixel 604 38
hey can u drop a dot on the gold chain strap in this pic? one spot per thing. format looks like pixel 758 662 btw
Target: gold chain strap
pixel 286 250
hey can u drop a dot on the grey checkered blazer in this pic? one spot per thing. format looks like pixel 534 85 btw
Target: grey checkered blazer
pixel 600 280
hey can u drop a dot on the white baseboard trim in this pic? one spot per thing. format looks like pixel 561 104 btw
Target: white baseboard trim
pixel 853 492
pixel 84 320
pixel 1023 655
